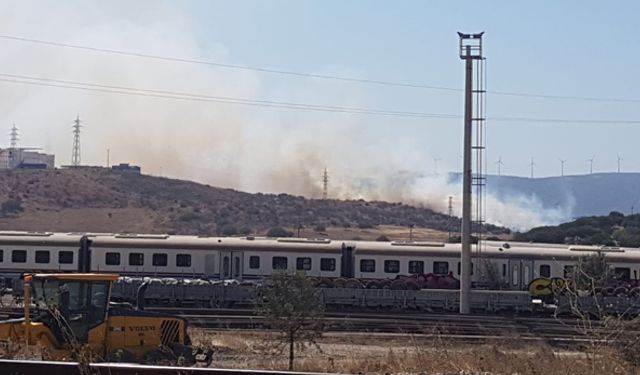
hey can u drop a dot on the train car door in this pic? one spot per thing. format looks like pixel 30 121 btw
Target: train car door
pixel 210 265
pixel 236 265
pixel 231 265
pixel 527 273
pixel 225 265
pixel 520 273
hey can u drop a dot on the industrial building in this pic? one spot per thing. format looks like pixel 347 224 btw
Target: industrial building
pixel 20 158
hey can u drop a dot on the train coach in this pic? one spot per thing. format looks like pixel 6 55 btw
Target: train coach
pixel 245 258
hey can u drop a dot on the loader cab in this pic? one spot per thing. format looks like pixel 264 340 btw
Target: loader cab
pixel 72 305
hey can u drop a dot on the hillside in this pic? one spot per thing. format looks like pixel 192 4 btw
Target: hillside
pixel 100 200
pixel 614 229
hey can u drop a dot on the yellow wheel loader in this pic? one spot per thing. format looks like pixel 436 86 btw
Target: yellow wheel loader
pixel 70 316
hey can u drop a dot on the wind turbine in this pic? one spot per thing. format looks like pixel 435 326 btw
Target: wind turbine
pixel 499 163
pixel 532 164
pixel 562 161
pixel 591 164
pixel 435 163
pixel 619 160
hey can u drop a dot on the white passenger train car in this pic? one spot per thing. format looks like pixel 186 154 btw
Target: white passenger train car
pixel 253 257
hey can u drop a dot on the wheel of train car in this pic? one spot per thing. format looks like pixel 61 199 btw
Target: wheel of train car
pixel 373 284
pixel 412 284
pixel 635 292
pixel 385 284
pixel 339 282
pixel 353 284
pixel 324 283
pixel 608 291
pixel 398 284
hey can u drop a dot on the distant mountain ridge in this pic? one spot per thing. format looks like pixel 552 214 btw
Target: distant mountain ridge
pixel 578 195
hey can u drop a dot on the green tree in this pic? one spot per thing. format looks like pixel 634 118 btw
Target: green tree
pixel 279 232
pixel 11 206
pixel 292 307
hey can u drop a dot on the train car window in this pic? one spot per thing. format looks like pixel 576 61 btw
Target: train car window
pixel 504 270
pixel 19 256
pixel 568 272
pixel 327 264
pixel 622 273
pixel 279 263
pixel 112 259
pixel 136 259
pixel 65 257
pixel 254 262
pixel 158 260
pixel 183 260
pixel 525 274
pixel 416 267
pixel 1 255
pixel 303 264
pixel 392 266
pixel 367 265
pixel 515 279
pixel 545 270
pixel 42 256
pixel 441 268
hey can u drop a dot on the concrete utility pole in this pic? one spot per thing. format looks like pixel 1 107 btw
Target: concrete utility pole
pixel 450 216
pixel 470 50
pixel 591 164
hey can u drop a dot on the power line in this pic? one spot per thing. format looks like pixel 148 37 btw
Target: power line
pixel 231 66
pixel 311 75
pixel 124 90
pixel 198 97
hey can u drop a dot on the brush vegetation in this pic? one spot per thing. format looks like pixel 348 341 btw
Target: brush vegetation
pixel 614 229
pixel 98 199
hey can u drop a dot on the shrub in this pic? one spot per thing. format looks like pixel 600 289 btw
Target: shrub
pixel 228 230
pixel 382 238
pixel 279 232
pixel 11 206
pixel 319 228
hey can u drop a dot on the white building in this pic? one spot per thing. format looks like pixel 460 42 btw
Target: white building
pixel 20 158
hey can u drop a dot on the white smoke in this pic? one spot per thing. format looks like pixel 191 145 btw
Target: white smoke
pixel 223 145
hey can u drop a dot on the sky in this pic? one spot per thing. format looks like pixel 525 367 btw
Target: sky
pixel 545 48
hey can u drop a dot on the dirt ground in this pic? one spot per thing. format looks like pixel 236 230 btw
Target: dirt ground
pixel 405 355
pixel 102 220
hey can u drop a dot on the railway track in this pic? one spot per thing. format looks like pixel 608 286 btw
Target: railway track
pixel 435 325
